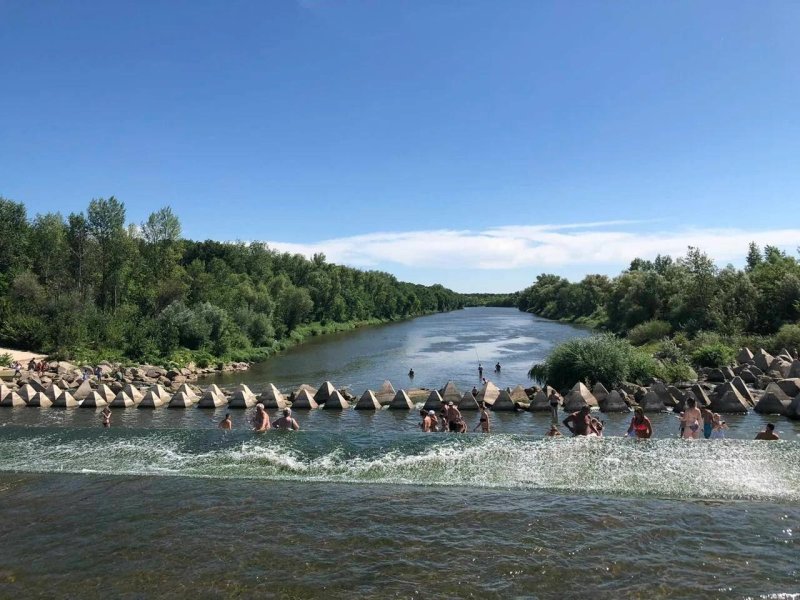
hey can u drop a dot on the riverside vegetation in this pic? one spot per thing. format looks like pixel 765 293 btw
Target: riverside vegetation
pixel 91 287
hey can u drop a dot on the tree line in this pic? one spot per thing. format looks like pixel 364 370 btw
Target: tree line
pixel 704 308
pixel 92 285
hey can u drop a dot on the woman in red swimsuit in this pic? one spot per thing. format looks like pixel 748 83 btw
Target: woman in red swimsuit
pixel 640 425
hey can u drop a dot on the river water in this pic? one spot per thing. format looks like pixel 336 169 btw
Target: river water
pixel 164 504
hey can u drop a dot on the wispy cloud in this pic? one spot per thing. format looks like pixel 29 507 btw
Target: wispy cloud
pixel 577 245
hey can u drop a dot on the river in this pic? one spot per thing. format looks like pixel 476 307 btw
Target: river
pixel 357 504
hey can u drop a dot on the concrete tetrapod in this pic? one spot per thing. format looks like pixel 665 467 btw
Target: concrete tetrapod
pixel 519 395
pixel 155 397
pixel 10 398
pixel 614 403
pixel 386 394
pixel 66 400
pixel 26 392
pixel 652 403
pixel 488 394
pixel 82 391
pixel 304 400
pixel 793 412
pixel 468 402
pixel 243 397
pixel 727 399
pixel 212 398
pixel 324 392
pixel 53 392
pixel 434 401
pixel 96 400
pixel 335 401
pixel 401 401
pixel 774 401
pixel 272 398
pixel 504 402
pixel 39 399
pixel 182 400
pixel 450 393
pixel 600 393
pixel 368 401
pixel 578 397
pixel 108 394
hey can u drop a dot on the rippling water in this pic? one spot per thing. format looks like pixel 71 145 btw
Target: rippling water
pixel 358 504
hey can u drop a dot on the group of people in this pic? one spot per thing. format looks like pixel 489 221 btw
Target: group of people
pixel 451 419
pixel 260 420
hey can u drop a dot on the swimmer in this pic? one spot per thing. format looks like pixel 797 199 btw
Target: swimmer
pixel 718 432
pixel 261 419
pixel 768 433
pixel 640 426
pixel 105 414
pixel 428 421
pixel 553 432
pixel 226 423
pixel 580 423
pixel 287 421
pixel 691 420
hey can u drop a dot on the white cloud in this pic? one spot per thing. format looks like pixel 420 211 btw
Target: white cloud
pixel 585 246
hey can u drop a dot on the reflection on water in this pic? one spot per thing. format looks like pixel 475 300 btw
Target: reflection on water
pixel 438 347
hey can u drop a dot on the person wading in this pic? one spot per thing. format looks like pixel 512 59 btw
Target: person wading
pixel 226 423
pixel 768 433
pixel 580 423
pixel 286 421
pixel 483 420
pixel 261 420
pixel 640 426
pixel 453 416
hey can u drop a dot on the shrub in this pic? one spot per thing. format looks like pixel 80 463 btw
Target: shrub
pixel 6 359
pixel 788 337
pixel 713 355
pixel 603 358
pixel 649 331
pixel 674 372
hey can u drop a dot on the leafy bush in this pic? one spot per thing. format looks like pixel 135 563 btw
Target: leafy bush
pixel 674 372
pixel 6 359
pixel 668 351
pixel 713 355
pixel 603 358
pixel 788 337
pixel 649 331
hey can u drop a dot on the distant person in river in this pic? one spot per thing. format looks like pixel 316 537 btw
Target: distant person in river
pixel 768 433
pixel 480 371
pixel 105 414
pixel 553 432
pixel 286 421
pixel 640 426
pixel 497 368
pixel 581 423
pixel 261 420
pixel 474 391
pixel 691 420
pixel 553 400
pixel 411 373
pixel 483 420
pixel 226 423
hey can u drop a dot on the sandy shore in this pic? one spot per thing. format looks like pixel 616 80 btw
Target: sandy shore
pixel 21 355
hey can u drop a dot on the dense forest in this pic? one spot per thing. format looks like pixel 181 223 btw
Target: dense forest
pixel 672 316
pixel 690 294
pixel 92 286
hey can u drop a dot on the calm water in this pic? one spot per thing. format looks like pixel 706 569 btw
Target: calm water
pixel 438 347
pixel 364 505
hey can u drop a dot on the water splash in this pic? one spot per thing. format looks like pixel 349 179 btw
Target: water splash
pixel 729 469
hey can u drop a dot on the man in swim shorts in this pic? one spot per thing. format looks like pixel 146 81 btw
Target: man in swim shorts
pixel 453 416
pixel 226 423
pixel 580 423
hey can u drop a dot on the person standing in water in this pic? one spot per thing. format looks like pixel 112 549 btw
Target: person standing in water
pixel 768 433
pixel 286 421
pixel 226 423
pixel 261 420
pixel 411 373
pixel 483 420
pixel 428 424
pixel 718 432
pixel 480 371
pixel 580 423
pixel 708 422
pixel 105 414
pixel 640 426
pixel 553 400
pixel 691 420
pixel 497 368
pixel 453 416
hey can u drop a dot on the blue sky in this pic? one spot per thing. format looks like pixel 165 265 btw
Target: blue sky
pixel 475 144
